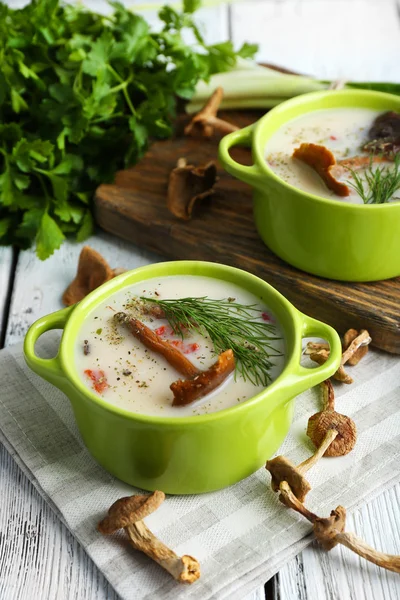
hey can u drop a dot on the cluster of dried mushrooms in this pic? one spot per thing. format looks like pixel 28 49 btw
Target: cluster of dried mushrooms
pixel 333 434
pixel 189 183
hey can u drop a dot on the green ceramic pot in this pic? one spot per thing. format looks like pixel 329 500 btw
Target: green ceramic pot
pixel 192 454
pixel 328 238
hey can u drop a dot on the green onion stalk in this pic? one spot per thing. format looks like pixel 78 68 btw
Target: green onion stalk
pixel 250 85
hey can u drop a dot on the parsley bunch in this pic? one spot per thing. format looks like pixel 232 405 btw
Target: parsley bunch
pixel 80 97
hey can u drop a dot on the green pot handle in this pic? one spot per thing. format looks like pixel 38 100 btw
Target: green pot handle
pixel 243 137
pixel 309 377
pixel 48 368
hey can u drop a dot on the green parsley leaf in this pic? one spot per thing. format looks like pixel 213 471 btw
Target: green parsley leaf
pixel 190 6
pixel 86 229
pixel 4 226
pixel 49 237
pixel 81 95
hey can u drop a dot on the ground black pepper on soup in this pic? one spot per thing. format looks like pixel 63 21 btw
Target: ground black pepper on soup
pixel 119 368
pixel 346 133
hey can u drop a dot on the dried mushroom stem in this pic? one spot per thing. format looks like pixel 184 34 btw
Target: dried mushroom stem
pixel 128 513
pixel 328 395
pixel 326 442
pixel 187 391
pixel 356 346
pixel 289 498
pixel 153 342
pixel 181 163
pixel 330 532
pixel 357 545
pixel 184 569
pixel 205 122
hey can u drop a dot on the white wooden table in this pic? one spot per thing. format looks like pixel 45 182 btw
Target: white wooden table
pixel 39 559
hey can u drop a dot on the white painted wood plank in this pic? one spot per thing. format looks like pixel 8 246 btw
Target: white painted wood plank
pixel 5 274
pixel 340 573
pixel 39 559
pixel 353 39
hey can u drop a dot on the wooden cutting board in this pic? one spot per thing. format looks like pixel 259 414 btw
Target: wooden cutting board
pixel 222 230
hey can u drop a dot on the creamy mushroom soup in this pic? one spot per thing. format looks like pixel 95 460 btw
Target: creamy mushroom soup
pixel 121 370
pixel 344 131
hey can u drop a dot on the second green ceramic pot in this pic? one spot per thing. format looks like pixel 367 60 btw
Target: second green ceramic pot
pixel 190 454
pixel 329 238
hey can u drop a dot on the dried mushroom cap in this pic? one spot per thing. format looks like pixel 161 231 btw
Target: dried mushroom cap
pixel 282 469
pixel 93 271
pixel 129 510
pixel 384 135
pixel 385 125
pixel 188 184
pixel 327 529
pixel 322 160
pixel 321 422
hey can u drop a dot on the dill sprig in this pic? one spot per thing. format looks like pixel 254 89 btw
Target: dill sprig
pixel 229 325
pixel 377 186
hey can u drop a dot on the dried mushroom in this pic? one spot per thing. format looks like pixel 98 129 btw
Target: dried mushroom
pixel 187 185
pixel 350 336
pixel 321 356
pixel 155 343
pixel 322 160
pixel 93 270
pixel 355 347
pixel 327 420
pixel 189 390
pixel 354 163
pixel 128 513
pixel 282 469
pixel 312 347
pixel 331 531
pixel 322 422
pixel 384 135
pixel 205 122
pixel 334 435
